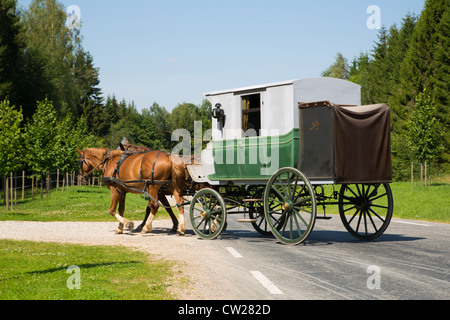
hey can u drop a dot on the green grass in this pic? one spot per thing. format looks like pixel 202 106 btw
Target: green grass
pixel 38 271
pixel 417 203
pixel 90 204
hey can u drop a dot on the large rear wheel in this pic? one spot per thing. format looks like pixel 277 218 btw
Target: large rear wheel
pixel 366 209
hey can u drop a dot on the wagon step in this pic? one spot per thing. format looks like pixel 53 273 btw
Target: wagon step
pixel 253 200
pixel 323 218
pixel 246 220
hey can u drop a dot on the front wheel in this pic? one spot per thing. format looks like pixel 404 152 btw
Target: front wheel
pixel 366 209
pixel 290 206
pixel 208 214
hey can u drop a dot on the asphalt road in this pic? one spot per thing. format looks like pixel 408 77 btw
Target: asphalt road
pixel 410 261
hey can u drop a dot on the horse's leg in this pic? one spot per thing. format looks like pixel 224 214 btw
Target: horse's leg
pixel 121 212
pixel 154 209
pixel 166 204
pixel 142 225
pixel 115 198
pixel 180 200
pixel 169 210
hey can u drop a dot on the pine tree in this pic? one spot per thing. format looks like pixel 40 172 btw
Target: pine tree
pixel 426 64
pixel 90 103
pixel 10 48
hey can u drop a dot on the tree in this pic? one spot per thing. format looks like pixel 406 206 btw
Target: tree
pixel 90 102
pixel 40 139
pixel 161 129
pixel 339 69
pixel 358 66
pixel 11 150
pixel 53 45
pixel 10 47
pixel 424 132
pixel 68 138
pixel 112 110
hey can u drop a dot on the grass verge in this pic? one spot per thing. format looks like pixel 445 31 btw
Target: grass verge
pixel 39 271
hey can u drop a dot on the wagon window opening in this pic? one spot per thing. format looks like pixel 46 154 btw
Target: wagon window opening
pixel 251 113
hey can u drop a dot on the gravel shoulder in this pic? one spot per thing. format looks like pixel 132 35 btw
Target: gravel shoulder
pixel 196 261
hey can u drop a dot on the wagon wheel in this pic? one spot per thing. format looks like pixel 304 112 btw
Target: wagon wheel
pixel 290 206
pixel 366 209
pixel 256 211
pixel 208 214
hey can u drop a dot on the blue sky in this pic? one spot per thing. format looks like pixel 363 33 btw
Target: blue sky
pixel 174 51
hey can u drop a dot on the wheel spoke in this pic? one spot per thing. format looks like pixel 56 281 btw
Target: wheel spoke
pixel 301 218
pixel 383 195
pixel 377 215
pixel 371 220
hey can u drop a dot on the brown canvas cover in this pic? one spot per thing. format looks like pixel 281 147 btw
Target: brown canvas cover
pixel 362 143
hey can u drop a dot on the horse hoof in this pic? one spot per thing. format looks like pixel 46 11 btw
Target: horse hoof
pixel 130 225
pixel 138 229
pixel 118 233
pixel 145 230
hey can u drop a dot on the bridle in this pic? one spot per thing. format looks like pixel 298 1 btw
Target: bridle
pixel 83 161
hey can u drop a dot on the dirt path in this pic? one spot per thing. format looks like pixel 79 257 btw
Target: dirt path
pixel 197 259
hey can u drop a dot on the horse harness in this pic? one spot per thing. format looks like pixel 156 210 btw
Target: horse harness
pixel 116 182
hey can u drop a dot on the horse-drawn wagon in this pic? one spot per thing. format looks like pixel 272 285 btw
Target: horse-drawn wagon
pixel 279 151
pixel 278 154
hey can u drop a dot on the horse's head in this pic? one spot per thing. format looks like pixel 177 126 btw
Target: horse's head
pixel 86 166
pixel 89 161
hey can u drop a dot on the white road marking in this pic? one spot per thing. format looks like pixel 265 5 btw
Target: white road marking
pixel 266 283
pixel 412 223
pixel 234 253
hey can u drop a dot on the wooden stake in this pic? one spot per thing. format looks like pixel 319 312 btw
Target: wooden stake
pixel 426 178
pixel 421 175
pixel 412 175
pixel 7 194
pixel 23 185
pixel 12 194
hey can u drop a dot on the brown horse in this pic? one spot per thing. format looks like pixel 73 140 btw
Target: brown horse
pixel 87 168
pixel 143 172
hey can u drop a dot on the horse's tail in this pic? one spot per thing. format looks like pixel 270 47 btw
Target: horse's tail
pixel 178 173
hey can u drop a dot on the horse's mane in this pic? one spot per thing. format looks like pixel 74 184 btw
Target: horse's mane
pixel 115 153
pixel 101 153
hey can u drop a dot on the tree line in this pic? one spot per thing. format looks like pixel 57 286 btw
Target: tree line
pixel 409 69
pixel 51 102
